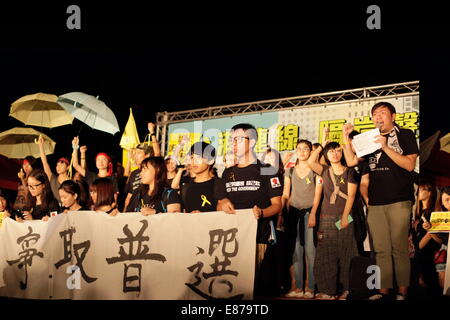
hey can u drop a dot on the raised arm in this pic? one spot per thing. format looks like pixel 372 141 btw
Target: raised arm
pixel 47 169
pixel 313 161
pixel 287 156
pixel 76 164
pixel 155 143
pixel 350 157
pixel 176 181
pixel 130 158
pixel 83 150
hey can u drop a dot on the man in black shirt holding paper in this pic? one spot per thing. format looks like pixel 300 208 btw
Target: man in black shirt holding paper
pixel 250 184
pixel 390 196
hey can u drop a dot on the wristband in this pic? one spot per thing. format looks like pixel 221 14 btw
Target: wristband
pixel 74 147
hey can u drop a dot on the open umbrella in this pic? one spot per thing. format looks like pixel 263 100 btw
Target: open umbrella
pixel 90 111
pixel 40 109
pixel 445 143
pixel 21 142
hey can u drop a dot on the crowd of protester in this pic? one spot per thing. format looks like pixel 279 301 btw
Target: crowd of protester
pixel 325 210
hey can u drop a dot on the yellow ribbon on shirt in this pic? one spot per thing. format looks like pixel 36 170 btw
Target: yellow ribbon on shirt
pixel 205 201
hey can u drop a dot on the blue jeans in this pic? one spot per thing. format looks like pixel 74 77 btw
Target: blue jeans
pixel 310 252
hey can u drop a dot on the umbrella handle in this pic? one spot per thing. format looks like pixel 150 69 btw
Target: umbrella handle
pixel 36 140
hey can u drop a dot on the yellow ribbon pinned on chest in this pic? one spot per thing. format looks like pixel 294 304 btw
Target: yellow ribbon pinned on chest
pixel 342 180
pixel 205 200
pixel 307 180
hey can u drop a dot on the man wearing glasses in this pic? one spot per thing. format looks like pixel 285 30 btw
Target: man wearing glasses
pixel 250 184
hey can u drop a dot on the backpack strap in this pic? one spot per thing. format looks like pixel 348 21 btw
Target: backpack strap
pixel 291 172
pixel 336 191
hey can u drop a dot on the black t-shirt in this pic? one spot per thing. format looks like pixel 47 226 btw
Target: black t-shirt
pixel 39 213
pixel 133 182
pixel 92 176
pixel 199 196
pixel 361 169
pixel 250 186
pixel 169 196
pixel 390 183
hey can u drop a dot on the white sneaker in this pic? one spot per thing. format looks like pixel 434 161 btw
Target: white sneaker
pixel 344 295
pixel 294 294
pixel 400 297
pixel 324 296
pixel 376 297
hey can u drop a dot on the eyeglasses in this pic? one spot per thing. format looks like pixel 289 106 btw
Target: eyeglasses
pixel 33 187
pixel 239 139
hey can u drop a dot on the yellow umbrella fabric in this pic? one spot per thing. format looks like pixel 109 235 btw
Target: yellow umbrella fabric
pixel 130 136
pixel 18 143
pixel 40 109
pixel 445 143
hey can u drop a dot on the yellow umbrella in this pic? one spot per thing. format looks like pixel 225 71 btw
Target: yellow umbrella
pixel 40 109
pixel 21 142
pixel 130 136
pixel 445 143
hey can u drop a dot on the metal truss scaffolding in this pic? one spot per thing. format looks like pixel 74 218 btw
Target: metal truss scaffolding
pixel 163 119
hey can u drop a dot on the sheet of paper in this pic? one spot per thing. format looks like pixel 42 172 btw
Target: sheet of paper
pixel 364 142
pixel 440 222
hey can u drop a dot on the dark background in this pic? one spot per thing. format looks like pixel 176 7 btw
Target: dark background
pixel 186 62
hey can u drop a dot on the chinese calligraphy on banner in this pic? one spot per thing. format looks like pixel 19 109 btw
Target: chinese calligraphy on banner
pixel 166 256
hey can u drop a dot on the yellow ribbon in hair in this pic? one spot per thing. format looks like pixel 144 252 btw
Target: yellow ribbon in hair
pixel 205 201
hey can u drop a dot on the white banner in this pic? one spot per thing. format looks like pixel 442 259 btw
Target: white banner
pixel 90 255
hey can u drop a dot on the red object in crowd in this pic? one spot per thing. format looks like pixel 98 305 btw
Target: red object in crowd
pixel 8 173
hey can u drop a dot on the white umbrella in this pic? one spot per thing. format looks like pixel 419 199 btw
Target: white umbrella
pixel 90 111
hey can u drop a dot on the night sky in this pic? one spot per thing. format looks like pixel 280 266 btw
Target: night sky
pixel 169 67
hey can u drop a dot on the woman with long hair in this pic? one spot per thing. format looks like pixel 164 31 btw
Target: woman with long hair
pixel 440 260
pixel 73 196
pixel 154 196
pixel 29 163
pixel 425 246
pixel 40 200
pixel 62 167
pixel 103 162
pixel 102 196
pixel 336 243
pixel 301 196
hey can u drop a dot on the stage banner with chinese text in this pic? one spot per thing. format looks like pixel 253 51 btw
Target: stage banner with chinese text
pixel 90 255
pixel 281 129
